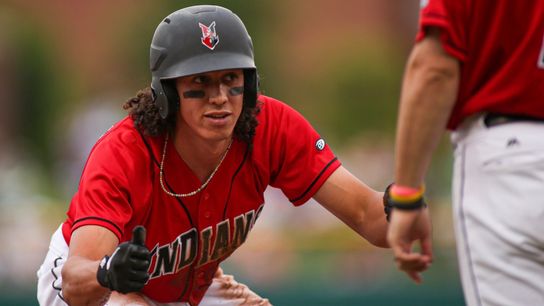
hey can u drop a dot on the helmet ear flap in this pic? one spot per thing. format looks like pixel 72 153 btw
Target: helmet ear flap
pixel 166 98
pixel 171 93
pixel 251 87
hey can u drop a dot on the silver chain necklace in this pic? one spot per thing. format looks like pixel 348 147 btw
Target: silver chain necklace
pixel 192 193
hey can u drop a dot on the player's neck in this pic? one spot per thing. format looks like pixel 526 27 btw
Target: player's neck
pixel 202 156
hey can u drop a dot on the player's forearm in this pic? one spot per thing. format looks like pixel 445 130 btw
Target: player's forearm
pixel 367 217
pixel 369 222
pixel 374 226
pixel 79 283
pixel 357 205
pixel 428 96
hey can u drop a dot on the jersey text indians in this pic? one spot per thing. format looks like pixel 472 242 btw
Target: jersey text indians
pixel 182 252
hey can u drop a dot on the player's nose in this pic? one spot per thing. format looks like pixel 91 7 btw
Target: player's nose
pixel 219 94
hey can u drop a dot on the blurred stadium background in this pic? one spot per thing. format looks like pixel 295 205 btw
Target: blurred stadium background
pixel 67 66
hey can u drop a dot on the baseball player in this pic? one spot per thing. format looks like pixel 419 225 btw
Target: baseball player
pixel 477 69
pixel 174 189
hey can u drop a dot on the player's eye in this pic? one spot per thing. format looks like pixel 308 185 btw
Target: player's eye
pixel 201 79
pixel 229 77
pixel 233 78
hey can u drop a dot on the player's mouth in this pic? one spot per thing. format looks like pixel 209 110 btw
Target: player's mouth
pixel 218 117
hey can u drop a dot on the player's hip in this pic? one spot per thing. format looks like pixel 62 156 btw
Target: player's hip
pixel 509 146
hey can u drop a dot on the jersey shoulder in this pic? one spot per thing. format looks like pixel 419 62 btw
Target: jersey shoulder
pixel 273 111
pixel 122 143
pixel 123 131
pixel 272 104
pixel 123 135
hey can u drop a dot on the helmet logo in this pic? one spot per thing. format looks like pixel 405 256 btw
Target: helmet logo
pixel 209 38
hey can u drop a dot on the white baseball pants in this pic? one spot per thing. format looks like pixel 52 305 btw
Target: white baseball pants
pixel 498 208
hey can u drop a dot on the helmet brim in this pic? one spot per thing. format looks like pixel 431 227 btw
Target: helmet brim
pixel 208 63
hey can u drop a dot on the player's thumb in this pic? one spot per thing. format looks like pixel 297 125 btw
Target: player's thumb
pixel 138 235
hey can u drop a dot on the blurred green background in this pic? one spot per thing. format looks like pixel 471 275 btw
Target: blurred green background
pixel 66 67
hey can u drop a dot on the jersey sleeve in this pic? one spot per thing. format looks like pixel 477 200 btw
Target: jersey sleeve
pixel 450 17
pixel 112 175
pixel 300 160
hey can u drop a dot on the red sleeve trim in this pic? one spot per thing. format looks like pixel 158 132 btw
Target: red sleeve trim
pixel 317 182
pixel 99 222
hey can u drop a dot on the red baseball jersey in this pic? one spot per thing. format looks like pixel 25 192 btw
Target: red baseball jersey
pixel 189 237
pixel 501 50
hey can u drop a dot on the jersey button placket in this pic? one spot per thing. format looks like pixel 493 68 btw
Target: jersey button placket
pixel 204 205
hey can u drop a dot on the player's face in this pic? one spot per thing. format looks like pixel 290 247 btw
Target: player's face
pixel 211 103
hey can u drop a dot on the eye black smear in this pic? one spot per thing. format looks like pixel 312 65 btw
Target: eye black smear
pixel 195 94
pixel 235 91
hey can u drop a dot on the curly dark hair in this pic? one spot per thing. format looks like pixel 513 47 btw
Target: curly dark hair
pixel 144 112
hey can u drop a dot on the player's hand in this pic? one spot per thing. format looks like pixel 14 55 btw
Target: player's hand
pixel 126 270
pixel 406 228
pixel 231 290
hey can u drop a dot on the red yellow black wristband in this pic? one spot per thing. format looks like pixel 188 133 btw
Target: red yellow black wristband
pixel 412 201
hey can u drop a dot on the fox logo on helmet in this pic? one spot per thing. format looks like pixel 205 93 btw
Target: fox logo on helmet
pixel 209 38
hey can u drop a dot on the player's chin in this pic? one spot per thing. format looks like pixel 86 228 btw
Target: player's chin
pixel 218 134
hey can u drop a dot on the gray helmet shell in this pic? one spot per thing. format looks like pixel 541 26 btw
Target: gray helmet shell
pixel 194 40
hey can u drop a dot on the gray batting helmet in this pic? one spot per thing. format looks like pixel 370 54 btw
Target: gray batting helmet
pixel 199 39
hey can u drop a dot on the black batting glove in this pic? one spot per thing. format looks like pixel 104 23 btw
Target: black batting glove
pixel 126 270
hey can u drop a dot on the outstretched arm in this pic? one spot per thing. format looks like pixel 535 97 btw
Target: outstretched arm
pixel 428 95
pixel 356 204
pixel 88 246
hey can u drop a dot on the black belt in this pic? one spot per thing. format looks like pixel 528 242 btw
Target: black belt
pixel 493 119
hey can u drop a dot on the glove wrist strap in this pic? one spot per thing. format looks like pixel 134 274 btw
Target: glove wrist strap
pixel 102 272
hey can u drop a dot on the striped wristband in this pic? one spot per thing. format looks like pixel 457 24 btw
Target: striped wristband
pixel 406 198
